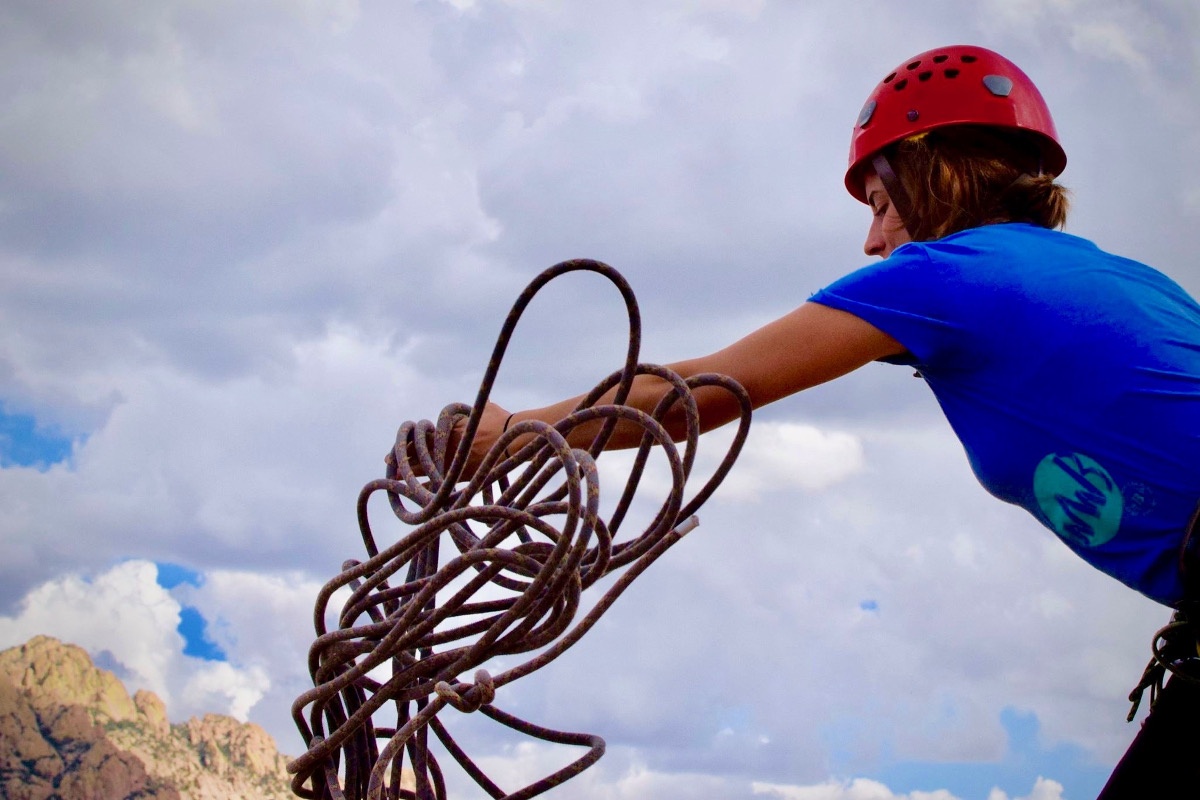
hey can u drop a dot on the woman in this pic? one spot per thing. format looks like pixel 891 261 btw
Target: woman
pixel 1071 376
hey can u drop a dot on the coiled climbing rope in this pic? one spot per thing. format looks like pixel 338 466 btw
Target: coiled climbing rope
pixel 533 541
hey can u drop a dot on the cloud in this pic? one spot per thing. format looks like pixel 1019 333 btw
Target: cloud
pixel 864 789
pixel 1043 789
pixel 778 458
pixel 618 776
pixel 857 789
pixel 122 611
pixel 225 687
pixel 786 456
pixel 244 464
pixel 1101 29
pixel 1108 40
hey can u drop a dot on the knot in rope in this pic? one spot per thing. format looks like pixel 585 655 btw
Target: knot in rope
pixel 468 697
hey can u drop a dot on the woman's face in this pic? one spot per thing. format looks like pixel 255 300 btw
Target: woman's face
pixel 887 232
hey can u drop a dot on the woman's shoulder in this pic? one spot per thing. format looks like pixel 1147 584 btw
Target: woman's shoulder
pixel 993 253
pixel 1009 236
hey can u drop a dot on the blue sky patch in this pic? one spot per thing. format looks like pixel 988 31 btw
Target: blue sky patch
pixel 1027 755
pixel 172 575
pixel 25 443
pixel 192 626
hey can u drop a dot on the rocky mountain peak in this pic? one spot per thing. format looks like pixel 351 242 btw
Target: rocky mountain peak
pixel 53 672
pixel 70 729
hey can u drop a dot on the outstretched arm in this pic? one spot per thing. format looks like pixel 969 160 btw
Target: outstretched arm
pixel 806 347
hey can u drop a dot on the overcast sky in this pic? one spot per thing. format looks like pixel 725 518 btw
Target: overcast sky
pixel 240 243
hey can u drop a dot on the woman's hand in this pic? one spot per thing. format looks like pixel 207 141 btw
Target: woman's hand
pixel 491 426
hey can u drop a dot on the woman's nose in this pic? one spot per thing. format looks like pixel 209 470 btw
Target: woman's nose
pixel 874 245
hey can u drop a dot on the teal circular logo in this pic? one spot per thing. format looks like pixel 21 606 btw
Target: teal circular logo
pixel 1079 498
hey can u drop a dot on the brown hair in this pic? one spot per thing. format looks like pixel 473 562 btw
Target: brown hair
pixel 963 177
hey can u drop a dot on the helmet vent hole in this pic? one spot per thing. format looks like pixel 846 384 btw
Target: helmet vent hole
pixel 940 59
pixel 969 59
pixel 951 72
pixel 890 78
pixel 924 76
pixel 913 65
pixel 900 84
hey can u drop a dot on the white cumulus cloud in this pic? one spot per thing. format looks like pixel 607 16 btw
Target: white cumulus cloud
pixel 127 621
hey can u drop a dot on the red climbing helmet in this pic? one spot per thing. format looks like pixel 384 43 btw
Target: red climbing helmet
pixel 957 85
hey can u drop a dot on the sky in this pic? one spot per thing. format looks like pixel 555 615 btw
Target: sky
pixel 241 243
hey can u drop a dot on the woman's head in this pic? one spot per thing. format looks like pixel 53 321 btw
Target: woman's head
pixel 963 177
pixel 959 137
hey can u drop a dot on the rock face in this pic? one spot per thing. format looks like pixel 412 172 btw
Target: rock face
pixel 70 731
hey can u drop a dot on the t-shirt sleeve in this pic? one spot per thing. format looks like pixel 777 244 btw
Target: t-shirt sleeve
pixel 917 300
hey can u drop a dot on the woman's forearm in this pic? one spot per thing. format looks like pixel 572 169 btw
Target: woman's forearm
pixel 715 406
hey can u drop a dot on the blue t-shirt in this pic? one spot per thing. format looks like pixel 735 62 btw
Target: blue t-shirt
pixel 1071 376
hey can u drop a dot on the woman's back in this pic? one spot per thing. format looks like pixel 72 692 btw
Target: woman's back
pixel 1071 376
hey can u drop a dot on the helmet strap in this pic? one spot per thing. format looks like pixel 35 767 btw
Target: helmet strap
pixel 895 189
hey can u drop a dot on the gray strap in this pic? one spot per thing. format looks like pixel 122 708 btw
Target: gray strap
pixel 895 189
